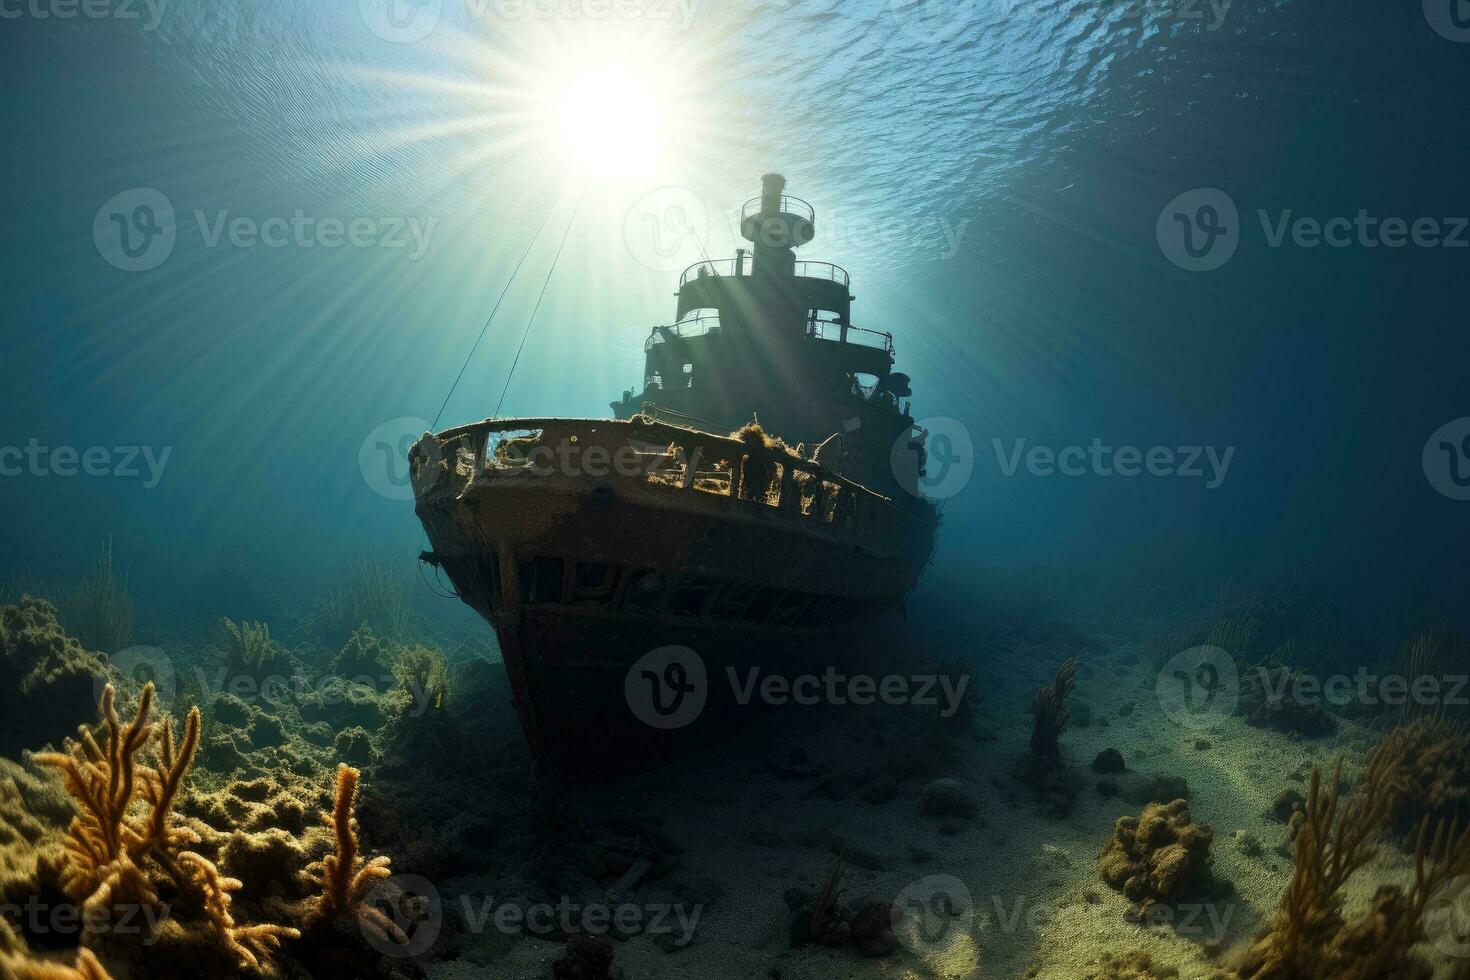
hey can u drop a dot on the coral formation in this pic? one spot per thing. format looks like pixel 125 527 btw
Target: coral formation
pixel 1309 936
pixel 1271 697
pixel 1133 965
pixel 1049 715
pixel 345 877
pixel 46 677
pixel 1434 781
pixel 117 853
pixel 250 651
pixel 17 964
pixel 1157 856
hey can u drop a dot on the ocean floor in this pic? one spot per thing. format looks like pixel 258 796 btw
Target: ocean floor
pixel 394 825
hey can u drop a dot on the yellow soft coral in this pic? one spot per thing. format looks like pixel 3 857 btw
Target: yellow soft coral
pixel 248 944
pixel 345 878
pixel 126 823
pixel 103 847
pixel 1309 937
pixel 21 967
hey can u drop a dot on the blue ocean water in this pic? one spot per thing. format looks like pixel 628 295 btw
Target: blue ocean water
pixel 1008 182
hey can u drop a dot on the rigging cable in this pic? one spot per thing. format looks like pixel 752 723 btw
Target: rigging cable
pixel 493 310
pixel 546 282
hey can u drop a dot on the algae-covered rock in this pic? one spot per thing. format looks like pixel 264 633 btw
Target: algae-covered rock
pixel 1285 700
pixel 47 681
pixel 1158 855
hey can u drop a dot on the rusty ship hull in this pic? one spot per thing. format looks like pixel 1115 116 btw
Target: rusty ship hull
pixel 589 545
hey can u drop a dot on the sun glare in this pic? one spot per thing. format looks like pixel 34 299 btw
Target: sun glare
pixel 610 123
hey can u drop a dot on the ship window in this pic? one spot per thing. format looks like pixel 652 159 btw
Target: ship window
pixel 832 495
pixel 541 580
pixel 763 605
pixel 714 477
pixel 660 464
pixel 511 449
pixel 645 591
pixel 763 484
pixel 806 489
pixel 689 598
pixel 595 581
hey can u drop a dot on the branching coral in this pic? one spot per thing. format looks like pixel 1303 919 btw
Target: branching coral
pixel 1049 714
pixel 248 944
pixel 17 965
pixel 248 645
pixel 1308 936
pixel 1435 776
pixel 104 844
pixel 424 674
pixel 124 836
pixel 345 878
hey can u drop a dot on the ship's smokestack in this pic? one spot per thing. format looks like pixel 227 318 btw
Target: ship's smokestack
pixel 772 185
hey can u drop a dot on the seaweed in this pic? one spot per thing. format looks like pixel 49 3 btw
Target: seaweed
pixel 99 611
pixel 1049 716
pixel 1309 937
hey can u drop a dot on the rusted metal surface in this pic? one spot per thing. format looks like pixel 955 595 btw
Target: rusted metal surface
pixel 588 543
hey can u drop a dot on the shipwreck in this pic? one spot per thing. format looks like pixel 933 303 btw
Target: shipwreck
pixel 753 502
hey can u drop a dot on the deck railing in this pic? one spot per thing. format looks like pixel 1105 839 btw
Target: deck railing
pixel 727 267
pixel 789 205
pixel 652 453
